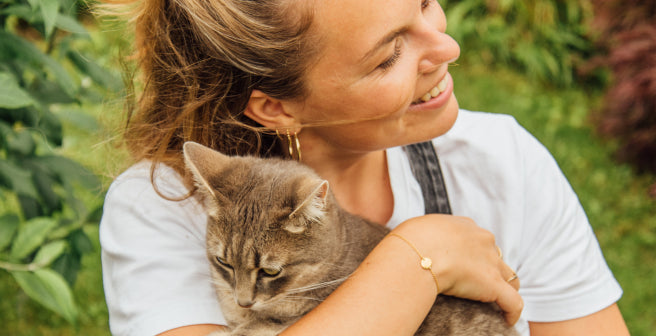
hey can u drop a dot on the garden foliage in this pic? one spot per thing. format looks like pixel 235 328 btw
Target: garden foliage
pixel 547 40
pixel 42 215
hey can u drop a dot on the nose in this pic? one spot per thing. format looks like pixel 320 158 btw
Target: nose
pixel 245 288
pixel 438 48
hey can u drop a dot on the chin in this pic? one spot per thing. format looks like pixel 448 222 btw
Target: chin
pixel 437 125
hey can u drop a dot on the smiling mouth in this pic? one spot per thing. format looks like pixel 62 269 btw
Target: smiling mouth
pixel 434 92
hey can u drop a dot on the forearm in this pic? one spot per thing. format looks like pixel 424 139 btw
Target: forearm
pixel 608 321
pixel 389 294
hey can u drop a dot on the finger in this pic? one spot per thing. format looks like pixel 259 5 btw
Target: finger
pixel 513 280
pixel 511 303
pixel 507 272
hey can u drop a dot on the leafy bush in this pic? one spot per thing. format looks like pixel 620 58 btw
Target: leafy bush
pixel 41 213
pixel 545 39
pixel 627 34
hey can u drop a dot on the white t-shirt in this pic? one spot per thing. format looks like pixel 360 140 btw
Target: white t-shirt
pixel 156 275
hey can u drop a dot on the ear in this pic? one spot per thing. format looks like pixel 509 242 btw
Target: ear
pixel 311 209
pixel 268 111
pixel 204 162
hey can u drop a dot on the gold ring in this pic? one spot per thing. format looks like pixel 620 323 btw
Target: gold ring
pixel 513 277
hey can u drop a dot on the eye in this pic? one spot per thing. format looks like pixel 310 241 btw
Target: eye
pixel 392 59
pixel 223 262
pixel 270 272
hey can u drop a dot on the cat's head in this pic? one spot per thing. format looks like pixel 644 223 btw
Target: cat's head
pixel 270 231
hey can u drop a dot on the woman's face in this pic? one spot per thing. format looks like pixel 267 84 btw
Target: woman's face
pixel 377 60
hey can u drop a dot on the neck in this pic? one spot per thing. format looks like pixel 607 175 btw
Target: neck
pixel 353 178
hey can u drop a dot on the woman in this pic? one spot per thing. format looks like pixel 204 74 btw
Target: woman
pixel 352 81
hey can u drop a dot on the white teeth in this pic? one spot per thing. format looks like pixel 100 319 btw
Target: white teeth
pixel 434 92
pixel 442 84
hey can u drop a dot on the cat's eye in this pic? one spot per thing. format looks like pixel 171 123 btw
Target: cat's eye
pixel 270 271
pixel 223 262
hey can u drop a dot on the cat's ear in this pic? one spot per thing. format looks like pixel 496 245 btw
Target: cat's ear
pixel 311 209
pixel 204 162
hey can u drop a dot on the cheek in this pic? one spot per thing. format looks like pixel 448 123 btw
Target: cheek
pixel 390 96
pixel 385 97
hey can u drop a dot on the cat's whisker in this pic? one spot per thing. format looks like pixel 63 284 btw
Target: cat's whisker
pixel 316 286
pixel 292 298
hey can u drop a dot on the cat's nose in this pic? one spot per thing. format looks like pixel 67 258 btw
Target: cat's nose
pixel 245 303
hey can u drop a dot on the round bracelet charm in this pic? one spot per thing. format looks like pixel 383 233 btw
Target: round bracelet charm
pixel 426 263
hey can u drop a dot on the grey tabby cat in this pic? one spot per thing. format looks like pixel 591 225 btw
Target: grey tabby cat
pixel 278 244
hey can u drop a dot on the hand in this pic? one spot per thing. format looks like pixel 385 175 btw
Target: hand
pixel 466 260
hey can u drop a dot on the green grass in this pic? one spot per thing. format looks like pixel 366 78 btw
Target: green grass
pixel 616 201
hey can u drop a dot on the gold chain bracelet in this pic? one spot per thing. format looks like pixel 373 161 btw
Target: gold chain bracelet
pixel 426 263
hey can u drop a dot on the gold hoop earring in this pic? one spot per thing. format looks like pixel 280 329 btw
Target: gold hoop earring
pixel 292 139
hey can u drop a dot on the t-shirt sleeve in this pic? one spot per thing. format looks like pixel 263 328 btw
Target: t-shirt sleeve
pixel 563 272
pixel 155 273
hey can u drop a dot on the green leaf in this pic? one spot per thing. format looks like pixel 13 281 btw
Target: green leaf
pixel 49 252
pixel 22 143
pixel 49 10
pixel 48 92
pixel 51 127
pixel 17 48
pixel 44 185
pixel 81 242
pixel 68 264
pixel 30 206
pixel 69 171
pixel 17 179
pixel 22 11
pixel 79 119
pixel 48 288
pixel 33 3
pixel 30 236
pixel 69 24
pixel 11 94
pixel 8 226
pixel 95 215
pixel 99 75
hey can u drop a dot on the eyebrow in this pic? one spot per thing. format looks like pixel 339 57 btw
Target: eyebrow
pixel 391 36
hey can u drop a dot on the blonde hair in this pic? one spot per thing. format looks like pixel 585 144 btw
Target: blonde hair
pixel 199 61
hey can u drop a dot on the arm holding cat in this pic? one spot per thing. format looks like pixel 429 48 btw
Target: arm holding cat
pixel 390 294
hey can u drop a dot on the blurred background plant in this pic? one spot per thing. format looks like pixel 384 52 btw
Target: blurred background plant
pixel 546 40
pixel 625 35
pixel 545 62
pixel 48 199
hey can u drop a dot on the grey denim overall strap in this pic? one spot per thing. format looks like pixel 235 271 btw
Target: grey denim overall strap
pixel 426 168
